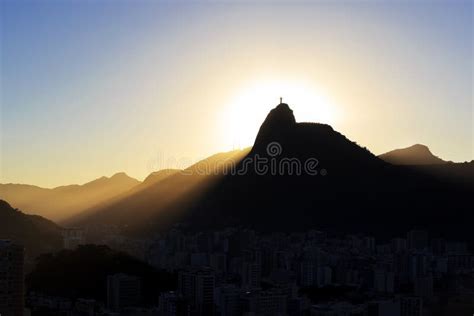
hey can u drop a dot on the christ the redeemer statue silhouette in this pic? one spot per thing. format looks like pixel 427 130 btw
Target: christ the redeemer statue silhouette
pixel 281 100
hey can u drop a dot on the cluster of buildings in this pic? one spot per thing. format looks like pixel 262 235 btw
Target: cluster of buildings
pixel 312 273
pixel 241 272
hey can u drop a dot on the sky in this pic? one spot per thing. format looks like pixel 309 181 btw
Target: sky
pixel 91 88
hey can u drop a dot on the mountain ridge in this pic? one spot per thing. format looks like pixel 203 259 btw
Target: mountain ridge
pixel 174 190
pixel 417 154
pixel 63 201
pixel 357 191
pixel 352 190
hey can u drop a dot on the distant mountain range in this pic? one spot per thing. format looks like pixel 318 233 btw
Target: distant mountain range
pixel 354 191
pixel 351 189
pixel 162 197
pixel 413 155
pixel 65 201
pixel 419 158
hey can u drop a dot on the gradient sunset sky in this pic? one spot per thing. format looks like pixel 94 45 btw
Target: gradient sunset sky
pixel 91 88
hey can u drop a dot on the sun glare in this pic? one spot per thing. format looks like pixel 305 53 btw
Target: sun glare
pixel 249 107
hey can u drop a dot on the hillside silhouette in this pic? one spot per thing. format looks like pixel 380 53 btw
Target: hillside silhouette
pixel 414 155
pixel 353 191
pixel 83 272
pixel 358 192
pixel 311 140
pixel 420 159
pixel 37 234
pixel 163 197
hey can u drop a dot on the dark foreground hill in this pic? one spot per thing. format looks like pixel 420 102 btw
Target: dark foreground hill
pixel 35 233
pixel 83 272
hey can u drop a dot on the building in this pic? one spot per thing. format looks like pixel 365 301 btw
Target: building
pixel 384 308
pixel 251 275
pixel 424 286
pixel 417 240
pixel 307 273
pixel 197 288
pixel 323 276
pixel 313 275
pixel 199 259
pixel 228 300
pixel 73 237
pixel 122 291
pixel 12 295
pixel 411 306
pixel 172 304
pixel 369 243
pixel 86 307
pixel 218 261
pixel 417 266
pixel 399 245
pixel 338 309
pixel 383 281
pixel 271 302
